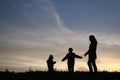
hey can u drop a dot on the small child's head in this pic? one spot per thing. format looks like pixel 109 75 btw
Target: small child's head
pixel 51 57
pixel 70 49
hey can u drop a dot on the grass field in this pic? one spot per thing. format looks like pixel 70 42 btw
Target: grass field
pixel 60 76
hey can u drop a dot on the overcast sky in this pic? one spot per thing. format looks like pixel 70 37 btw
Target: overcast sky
pixel 31 30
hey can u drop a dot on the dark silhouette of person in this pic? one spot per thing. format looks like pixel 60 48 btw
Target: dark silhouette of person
pixel 71 59
pixel 50 63
pixel 92 54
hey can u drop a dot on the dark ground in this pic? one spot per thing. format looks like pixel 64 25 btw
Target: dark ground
pixel 60 76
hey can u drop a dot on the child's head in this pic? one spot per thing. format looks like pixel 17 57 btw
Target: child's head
pixel 51 57
pixel 70 49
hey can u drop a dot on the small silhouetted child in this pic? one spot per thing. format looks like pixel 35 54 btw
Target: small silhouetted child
pixel 50 63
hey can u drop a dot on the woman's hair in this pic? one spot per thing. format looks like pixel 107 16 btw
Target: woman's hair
pixel 92 38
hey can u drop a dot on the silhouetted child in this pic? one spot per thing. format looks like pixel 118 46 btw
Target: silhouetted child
pixel 50 63
pixel 71 59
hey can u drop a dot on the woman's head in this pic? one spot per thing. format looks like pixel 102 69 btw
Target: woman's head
pixel 92 38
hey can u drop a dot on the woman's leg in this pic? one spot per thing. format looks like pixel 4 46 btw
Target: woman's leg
pixel 94 65
pixel 90 65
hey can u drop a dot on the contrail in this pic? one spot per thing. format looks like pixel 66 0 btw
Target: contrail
pixel 59 22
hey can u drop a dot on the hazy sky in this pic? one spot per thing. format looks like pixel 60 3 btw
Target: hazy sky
pixel 31 30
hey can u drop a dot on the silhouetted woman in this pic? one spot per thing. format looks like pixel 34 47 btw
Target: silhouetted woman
pixel 71 59
pixel 50 63
pixel 92 54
